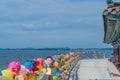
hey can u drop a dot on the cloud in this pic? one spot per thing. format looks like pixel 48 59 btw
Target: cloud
pixel 51 7
pixel 62 22
pixel 45 10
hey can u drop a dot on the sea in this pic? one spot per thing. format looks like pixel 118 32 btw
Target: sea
pixel 21 55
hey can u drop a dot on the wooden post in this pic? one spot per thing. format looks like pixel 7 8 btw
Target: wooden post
pixel 116 58
pixel 118 50
pixel 118 55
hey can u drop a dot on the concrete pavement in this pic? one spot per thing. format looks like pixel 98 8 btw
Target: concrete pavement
pixel 94 69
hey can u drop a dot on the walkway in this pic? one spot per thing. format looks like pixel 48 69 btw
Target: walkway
pixel 94 69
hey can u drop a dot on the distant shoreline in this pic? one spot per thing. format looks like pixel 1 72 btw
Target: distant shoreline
pixel 55 48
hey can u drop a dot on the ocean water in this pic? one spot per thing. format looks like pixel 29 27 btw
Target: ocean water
pixel 6 56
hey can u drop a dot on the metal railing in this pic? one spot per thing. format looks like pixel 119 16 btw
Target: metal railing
pixel 72 74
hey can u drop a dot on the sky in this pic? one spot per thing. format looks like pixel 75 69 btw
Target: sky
pixel 52 24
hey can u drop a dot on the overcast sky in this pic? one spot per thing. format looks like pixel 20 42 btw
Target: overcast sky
pixel 52 23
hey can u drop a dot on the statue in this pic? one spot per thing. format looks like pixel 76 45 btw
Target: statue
pixel 111 17
pixel 109 2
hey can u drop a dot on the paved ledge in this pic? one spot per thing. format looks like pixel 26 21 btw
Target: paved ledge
pixel 97 69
